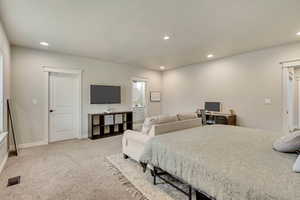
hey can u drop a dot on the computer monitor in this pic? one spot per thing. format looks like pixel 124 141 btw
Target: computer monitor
pixel 212 106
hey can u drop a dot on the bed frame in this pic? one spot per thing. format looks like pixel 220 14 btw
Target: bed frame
pixel 163 175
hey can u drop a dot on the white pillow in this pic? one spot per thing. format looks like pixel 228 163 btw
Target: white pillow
pixel 296 167
pixel 289 143
pixel 186 116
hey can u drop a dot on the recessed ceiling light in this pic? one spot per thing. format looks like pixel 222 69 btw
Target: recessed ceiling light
pixel 44 44
pixel 298 33
pixel 210 55
pixel 162 67
pixel 166 37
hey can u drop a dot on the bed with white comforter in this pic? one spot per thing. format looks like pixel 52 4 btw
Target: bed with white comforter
pixel 226 162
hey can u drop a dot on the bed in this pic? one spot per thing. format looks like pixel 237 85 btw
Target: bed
pixel 226 162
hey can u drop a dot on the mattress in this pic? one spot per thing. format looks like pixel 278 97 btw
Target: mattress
pixel 227 162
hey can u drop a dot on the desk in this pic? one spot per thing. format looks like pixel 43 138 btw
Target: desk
pixel 220 118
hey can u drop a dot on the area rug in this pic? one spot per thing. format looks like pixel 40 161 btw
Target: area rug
pixel 141 184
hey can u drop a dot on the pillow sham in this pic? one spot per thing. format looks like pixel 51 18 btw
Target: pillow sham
pixel 289 143
pixel 186 116
pixel 296 167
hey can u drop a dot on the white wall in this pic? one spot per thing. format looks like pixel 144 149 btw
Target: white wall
pixel 240 82
pixel 5 50
pixel 28 84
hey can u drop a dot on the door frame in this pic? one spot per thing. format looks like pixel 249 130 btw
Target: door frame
pixel 285 66
pixel 297 78
pixel 76 72
pixel 2 87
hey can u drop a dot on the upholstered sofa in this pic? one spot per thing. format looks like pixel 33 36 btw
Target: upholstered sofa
pixel 133 142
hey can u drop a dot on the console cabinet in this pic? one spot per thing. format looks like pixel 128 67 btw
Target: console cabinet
pixel 109 124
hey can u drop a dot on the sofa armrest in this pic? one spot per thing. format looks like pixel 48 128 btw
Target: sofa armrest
pixel 133 144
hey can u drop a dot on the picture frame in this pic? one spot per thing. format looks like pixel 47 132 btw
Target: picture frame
pixel 155 96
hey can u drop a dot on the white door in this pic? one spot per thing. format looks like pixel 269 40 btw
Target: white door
pixel 63 104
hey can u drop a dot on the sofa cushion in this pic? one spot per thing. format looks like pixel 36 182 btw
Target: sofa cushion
pixel 289 143
pixel 161 119
pixel 159 129
pixel 186 116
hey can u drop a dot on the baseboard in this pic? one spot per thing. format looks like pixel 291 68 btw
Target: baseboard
pixel 84 137
pixel 43 142
pixel 2 164
pixel 33 144
pixel 40 143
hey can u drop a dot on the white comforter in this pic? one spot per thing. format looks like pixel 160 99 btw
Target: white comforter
pixel 227 163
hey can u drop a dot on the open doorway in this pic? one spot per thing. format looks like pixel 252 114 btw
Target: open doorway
pixel 139 101
pixel 291 96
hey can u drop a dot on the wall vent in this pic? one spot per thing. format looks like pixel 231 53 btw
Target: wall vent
pixel 13 181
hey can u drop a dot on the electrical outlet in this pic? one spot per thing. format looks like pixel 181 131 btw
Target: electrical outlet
pixel 268 101
pixel 34 101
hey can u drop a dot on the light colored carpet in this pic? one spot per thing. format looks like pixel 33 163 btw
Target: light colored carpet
pixel 144 181
pixel 69 170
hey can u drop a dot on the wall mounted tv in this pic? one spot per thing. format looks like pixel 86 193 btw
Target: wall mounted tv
pixel 105 94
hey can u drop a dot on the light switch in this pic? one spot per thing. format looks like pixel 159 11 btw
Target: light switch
pixel 34 101
pixel 268 101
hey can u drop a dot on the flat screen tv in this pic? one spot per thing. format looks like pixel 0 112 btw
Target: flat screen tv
pixel 212 106
pixel 105 94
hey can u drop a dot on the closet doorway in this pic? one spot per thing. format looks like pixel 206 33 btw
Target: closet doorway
pixel 63 110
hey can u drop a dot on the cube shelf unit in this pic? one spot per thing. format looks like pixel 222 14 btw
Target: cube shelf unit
pixel 100 128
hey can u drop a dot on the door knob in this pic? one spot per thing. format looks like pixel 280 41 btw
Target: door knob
pixel 51 110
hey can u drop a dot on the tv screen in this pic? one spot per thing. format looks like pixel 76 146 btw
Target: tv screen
pixel 213 106
pixel 104 94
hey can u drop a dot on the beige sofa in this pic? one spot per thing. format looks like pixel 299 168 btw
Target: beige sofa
pixel 133 142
